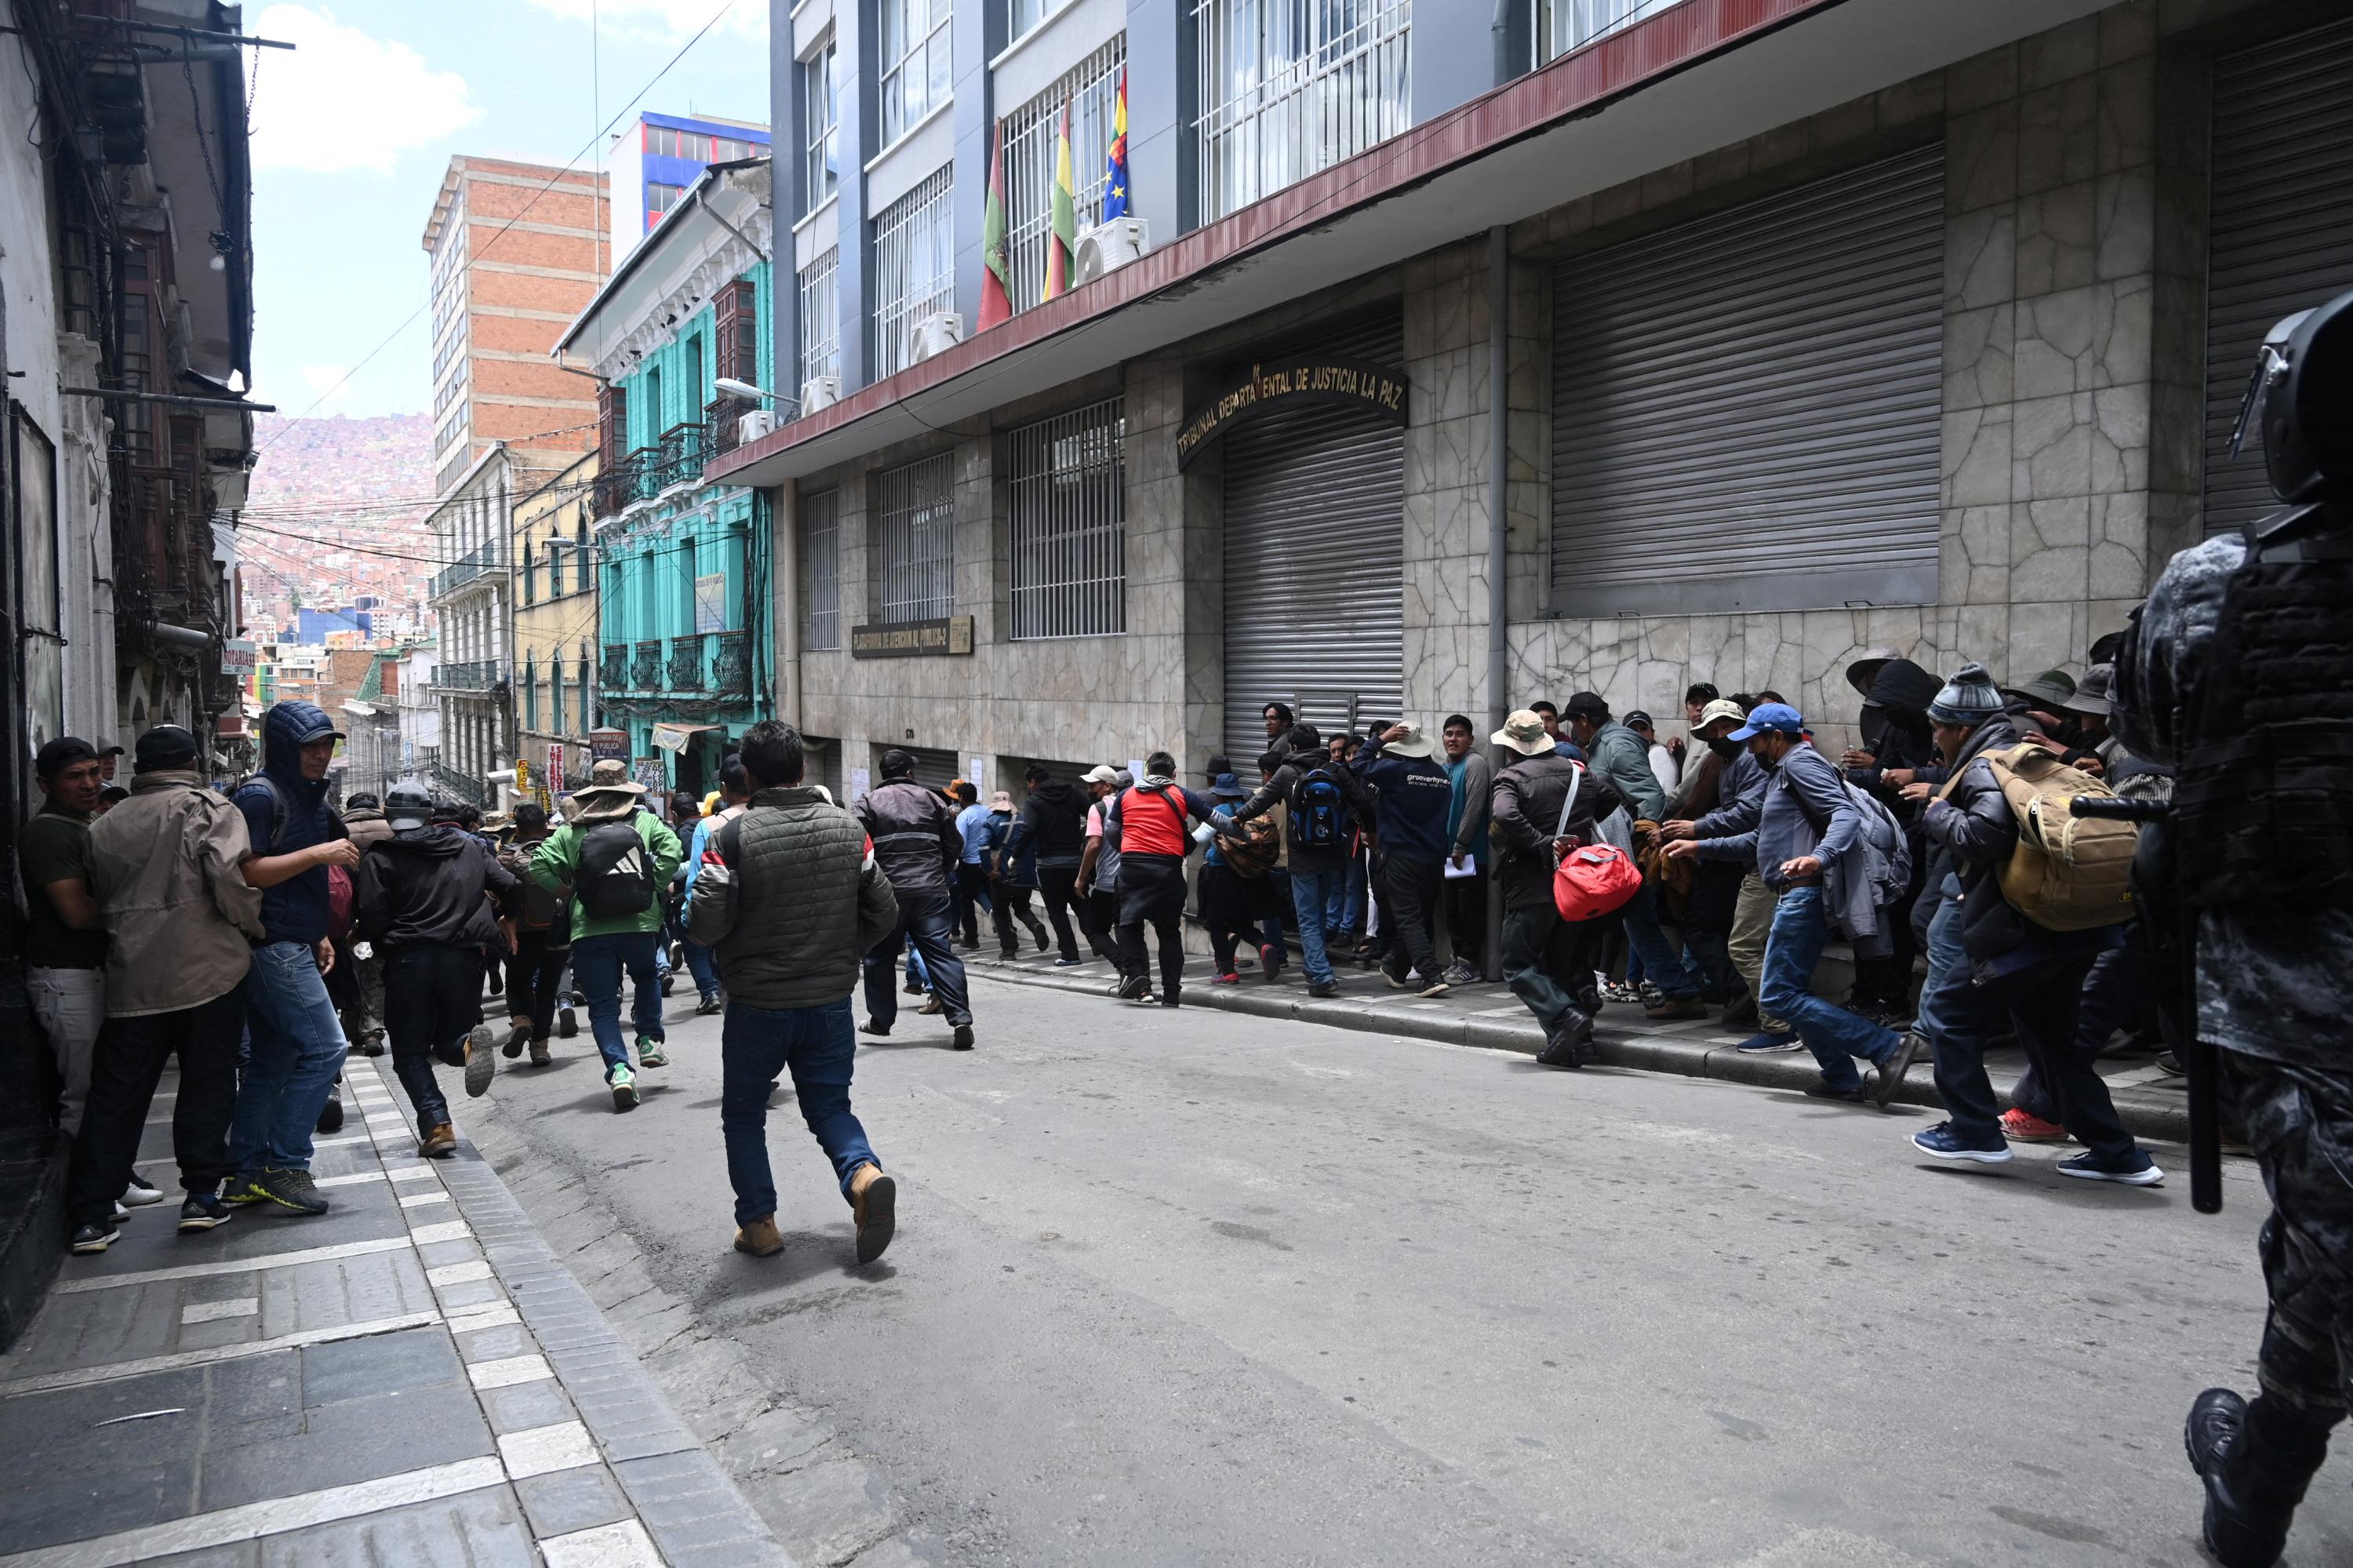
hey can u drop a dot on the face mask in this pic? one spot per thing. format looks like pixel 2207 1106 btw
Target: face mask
pixel 1771 763
pixel 1727 750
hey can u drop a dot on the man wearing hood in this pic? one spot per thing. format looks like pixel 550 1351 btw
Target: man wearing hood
pixel 616 886
pixel 1412 796
pixel 296 1040
pixel 1150 824
pixel 1983 955
pixel 425 902
pixel 1051 831
pixel 1322 803
pixel 914 832
pixel 363 1025
pixel 1896 733
pixel 165 872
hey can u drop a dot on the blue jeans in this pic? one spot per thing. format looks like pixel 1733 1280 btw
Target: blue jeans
pixel 1312 893
pixel 703 967
pixel 295 1048
pixel 1835 1037
pixel 1344 902
pixel 598 964
pixel 923 930
pixel 1660 964
pixel 756 1045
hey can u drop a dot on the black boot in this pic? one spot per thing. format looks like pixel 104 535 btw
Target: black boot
pixel 1567 1045
pixel 2256 1461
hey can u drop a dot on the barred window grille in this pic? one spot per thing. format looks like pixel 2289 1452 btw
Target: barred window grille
pixel 1566 25
pixel 915 271
pixel 1092 93
pixel 821 570
pixel 820 318
pixel 917 566
pixel 1067 524
pixel 1290 87
pixel 917 70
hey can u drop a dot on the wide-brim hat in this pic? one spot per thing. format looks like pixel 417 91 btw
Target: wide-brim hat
pixel 1413 743
pixel 2050 689
pixel 611 775
pixel 2091 693
pixel 1226 787
pixel 1721 708
pixel 1523 732
pixel 1862 670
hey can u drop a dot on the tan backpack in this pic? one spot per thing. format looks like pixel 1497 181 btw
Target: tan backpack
pixel 2068 873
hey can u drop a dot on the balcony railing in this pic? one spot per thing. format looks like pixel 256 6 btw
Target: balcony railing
pixel 613 674
pixel 685 670
pixel 645 672
pixel 478 676
pixel 730 665
pixel 460 785
pixel 677 459
pixel 484 557
pixel 719 420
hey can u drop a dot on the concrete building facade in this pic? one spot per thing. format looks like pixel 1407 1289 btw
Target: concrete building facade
pixel 554 598
pixel 1823 329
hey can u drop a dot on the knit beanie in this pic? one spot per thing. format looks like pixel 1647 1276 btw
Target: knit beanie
pixel 1968 698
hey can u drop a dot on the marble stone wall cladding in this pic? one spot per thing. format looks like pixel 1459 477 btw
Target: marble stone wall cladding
pixel 2073 366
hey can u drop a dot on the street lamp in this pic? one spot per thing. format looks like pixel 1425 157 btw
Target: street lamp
pixel 744 389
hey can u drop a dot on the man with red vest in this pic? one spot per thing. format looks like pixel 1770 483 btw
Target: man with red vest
pixel 1150 825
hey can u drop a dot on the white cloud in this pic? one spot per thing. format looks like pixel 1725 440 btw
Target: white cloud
pixel 672 19
pixel 342 99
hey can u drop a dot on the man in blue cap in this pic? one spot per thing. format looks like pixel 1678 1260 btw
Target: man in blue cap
pixel 297 1040
pixel 1805 828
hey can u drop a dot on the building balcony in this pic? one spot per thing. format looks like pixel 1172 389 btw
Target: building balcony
pixel 467 569
pixel 677 459
pixel 460 785
pixel 613 674
pixel 478 676
pixel 730 665
pixel 686 664
pixel 719 418
pixel 645 672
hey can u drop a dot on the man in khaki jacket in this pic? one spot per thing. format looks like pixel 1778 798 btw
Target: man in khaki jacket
pixel 180 923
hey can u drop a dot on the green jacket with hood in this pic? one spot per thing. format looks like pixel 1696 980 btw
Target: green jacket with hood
pixel 555 863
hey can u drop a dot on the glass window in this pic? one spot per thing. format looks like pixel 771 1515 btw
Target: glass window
pixel 916 65
pixel 821 127
pixel 1027 14
pixel 917 548
pixel 1290 87
pixel 820 319
pixel 660 198
pixel 914 263
pixel 1066 525
pixel 1566 25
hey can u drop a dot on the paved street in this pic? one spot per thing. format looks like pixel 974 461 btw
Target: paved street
pixel 1203 1287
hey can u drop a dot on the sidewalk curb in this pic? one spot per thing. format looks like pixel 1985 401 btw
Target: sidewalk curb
pixel 2147 1114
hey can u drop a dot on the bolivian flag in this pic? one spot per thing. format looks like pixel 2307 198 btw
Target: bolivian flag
pixel 1116 193
pixel 1062 243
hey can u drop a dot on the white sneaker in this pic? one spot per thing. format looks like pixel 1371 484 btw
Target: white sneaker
pixel 141 1193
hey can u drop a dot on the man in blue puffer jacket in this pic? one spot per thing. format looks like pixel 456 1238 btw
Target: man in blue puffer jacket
pixel 1414 796
pixel 296 1040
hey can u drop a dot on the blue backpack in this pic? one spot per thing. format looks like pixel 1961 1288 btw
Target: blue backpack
pixel 1320 819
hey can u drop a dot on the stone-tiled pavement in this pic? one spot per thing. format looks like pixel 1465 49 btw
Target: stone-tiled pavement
pixel 2152 1105
pixel 410 1378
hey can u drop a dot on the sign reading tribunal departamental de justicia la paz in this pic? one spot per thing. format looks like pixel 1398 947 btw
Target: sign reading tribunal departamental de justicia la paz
pixel 1301 378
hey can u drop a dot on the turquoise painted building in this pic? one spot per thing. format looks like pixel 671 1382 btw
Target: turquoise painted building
pixel 683 568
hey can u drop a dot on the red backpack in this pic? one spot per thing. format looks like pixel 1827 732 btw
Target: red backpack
pixel 1591 880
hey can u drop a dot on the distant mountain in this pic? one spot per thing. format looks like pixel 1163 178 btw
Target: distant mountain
pixel 337 509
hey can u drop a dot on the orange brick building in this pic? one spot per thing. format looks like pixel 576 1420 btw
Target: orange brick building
pixel 518 251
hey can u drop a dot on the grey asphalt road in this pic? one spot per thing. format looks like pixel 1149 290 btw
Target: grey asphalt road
pixel 1194 1287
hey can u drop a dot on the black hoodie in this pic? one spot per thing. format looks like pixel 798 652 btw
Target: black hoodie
pixel 1053 822
pixel 1902 692
pixel 427 886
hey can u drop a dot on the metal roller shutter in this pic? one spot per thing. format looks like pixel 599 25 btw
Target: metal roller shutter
pixel 1745 407
pixel 2280 226
pixel 1314 559
pixel 933 768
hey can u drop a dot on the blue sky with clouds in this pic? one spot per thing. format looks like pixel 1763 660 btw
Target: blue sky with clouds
pixel 353 131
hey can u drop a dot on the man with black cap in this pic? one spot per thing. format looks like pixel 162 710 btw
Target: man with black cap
pixel 296 1040
pixel 1619 756
pixel 166 873
pixel 1984 954
pixel 914 832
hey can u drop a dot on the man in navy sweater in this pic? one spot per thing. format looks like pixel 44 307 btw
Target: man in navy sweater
pixel 1414 796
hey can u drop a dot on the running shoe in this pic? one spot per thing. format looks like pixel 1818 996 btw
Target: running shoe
pixel 482 1061
pixel 624 1085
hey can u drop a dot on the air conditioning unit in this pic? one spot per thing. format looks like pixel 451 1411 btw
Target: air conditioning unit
pixel 751 427
pixel 818 392
pixel 1107 247
pixel 937 333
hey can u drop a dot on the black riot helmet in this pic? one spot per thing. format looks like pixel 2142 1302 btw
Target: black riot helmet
pixel 2300 402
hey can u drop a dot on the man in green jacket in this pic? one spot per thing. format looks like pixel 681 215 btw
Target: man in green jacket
pixel 614 858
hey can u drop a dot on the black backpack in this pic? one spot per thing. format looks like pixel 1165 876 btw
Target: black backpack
pixel 1320 818
pixel 616 878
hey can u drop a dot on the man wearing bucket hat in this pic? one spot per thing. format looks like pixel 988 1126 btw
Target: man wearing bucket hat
pixel 1795 858
pixel 1547 961
pixel 614 858
pixel 1412 797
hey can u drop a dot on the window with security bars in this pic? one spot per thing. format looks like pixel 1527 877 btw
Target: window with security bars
pixel 916 553
pixel 1093 92
pixel 914 269
pixel 1066 533
pixel 821 570
pixel 917 70
pixel 1566 25
pixel 820 318
pixel 1290 87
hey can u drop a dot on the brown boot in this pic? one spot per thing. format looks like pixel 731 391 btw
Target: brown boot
pixel 873 1199
pixel 759 1237
pixel 540 1056
pixel 439 1139
pixel 517 1038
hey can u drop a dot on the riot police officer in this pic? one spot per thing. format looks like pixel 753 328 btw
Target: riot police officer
pixel 2239 672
